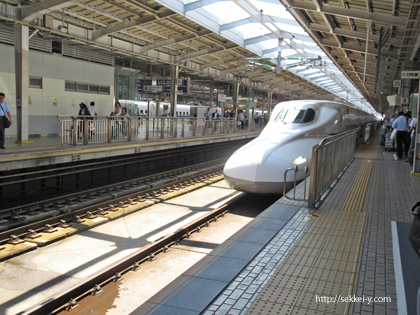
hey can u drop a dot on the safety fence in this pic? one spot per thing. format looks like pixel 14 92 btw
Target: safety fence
pixel 82 130
pixel 329 158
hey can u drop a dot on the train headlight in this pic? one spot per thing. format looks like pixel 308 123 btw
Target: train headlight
pixel 299 160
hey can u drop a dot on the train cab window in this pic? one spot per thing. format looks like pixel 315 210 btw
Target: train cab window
pixel 308 116
pixel 295 115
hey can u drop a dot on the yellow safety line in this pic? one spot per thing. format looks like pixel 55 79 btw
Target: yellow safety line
pixel 357 194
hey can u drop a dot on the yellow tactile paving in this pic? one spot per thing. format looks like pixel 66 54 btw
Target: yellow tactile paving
pixel 356 197
pixel 324 263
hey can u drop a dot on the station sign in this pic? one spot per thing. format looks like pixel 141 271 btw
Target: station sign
pixel 410 74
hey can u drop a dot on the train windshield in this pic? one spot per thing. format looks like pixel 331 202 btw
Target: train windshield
pixel 295 115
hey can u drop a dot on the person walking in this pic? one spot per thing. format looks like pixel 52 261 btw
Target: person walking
pixel 4 110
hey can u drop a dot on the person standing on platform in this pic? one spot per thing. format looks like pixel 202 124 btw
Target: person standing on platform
pixel 93 113
pixel 207 114
pixel 392 119
pixel 401 125
pixel 92 110
pixel 82 112
pixel 241 119
pixel 4 110
pixel 117 111
pixel 413 127
pixel 124 114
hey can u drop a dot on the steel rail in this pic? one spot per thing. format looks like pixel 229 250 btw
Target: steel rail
pixel 66 198
pixel 68 299
pixel 16 234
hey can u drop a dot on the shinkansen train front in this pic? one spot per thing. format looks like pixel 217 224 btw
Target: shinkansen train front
pixel 287 140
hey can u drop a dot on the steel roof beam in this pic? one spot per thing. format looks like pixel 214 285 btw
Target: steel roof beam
pixel 222 62
pixel 233 70
pixel 113 29
pixel 171 41
pixel 387 19
pixel 265 19
pixel 357 48
pixel 31 11
pixel 349 33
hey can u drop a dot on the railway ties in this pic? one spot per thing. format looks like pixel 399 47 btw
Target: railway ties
pixel 94 212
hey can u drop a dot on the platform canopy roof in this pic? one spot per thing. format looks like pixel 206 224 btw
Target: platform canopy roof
pixel 330 49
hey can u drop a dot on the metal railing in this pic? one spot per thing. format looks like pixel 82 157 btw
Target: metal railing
pixel 82 130
pixel 295 170
pixel 329 158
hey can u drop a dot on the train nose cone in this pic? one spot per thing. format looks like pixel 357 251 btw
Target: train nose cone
pixel 256 171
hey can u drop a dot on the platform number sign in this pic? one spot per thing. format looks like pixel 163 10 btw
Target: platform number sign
pixel 397 83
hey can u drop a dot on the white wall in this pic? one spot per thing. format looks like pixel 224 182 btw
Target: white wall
pixel 54 70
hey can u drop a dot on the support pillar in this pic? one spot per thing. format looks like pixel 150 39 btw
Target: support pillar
pixel 174 88
pixel 269 101
pixel 252 92
pixel 22 82
pixel 235 97
pixel 211 93
pixel 280 48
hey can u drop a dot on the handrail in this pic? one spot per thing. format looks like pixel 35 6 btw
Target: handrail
pixel 85 130
pixel 295 170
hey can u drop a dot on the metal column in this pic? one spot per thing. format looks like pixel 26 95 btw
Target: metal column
pixel 174 89
pixel 22 82
pixel 269 101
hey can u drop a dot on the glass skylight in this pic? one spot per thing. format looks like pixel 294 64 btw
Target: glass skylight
pixel 257 25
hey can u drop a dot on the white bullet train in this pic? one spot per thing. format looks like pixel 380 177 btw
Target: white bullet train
pixel 287 140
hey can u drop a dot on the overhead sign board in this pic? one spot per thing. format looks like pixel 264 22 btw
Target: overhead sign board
pixel 153 88
pixel 221 97
pixel 410 74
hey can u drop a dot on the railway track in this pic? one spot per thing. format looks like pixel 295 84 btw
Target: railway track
pixel 57 218
pixel 68 300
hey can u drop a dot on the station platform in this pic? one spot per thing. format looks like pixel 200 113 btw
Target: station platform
pixel 349 256
pixel 49 150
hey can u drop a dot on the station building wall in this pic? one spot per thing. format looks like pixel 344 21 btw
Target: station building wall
pixel 53 99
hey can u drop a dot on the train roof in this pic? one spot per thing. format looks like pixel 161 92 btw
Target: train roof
pixel 322 103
